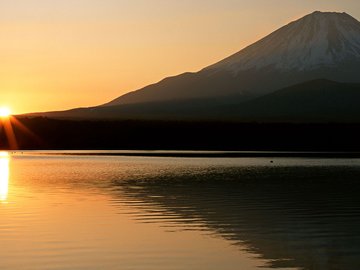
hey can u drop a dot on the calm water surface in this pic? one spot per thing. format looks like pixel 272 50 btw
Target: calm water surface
pixel 100 212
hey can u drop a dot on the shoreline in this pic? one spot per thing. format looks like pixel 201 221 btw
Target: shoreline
pixel 189 154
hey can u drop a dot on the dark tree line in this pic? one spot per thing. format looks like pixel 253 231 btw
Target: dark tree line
pixel 174 135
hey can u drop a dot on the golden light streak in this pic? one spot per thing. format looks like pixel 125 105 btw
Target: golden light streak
pixel 25 130
pixel 7 126
pixel 4 176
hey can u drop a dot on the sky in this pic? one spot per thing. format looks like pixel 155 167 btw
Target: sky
pixel 62 54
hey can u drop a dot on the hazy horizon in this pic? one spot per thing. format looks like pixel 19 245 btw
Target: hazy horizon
pixel 71 54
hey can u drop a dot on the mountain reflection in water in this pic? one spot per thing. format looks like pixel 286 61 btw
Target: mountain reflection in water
pixel 303 217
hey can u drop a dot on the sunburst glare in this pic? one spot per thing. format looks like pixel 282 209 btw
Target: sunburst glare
pixel 5 112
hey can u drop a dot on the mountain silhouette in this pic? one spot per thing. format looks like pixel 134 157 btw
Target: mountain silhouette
pixel 317 46
pixel 307 70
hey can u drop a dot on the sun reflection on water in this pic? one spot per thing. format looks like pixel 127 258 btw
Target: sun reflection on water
pixel 4 176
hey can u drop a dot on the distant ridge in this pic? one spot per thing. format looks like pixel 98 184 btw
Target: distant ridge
pixel 315 101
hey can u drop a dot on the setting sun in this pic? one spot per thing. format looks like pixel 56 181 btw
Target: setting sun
pixel 5 112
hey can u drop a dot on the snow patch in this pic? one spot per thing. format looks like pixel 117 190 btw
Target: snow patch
pixel 316 40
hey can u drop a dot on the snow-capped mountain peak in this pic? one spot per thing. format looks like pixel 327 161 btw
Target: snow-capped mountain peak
pixel 320 39
pixel 321 45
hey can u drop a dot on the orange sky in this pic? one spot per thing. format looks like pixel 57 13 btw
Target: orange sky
pixel 62 54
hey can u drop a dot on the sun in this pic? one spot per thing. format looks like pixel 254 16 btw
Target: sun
pixel 5 112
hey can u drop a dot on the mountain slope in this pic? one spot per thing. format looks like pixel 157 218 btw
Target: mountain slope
pixel 314 101
pixel 319 45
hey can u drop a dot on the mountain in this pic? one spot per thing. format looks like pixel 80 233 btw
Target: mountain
pixel 320 45
pixel 307 70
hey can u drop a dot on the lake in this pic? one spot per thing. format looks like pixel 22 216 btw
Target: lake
pixel 65 211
